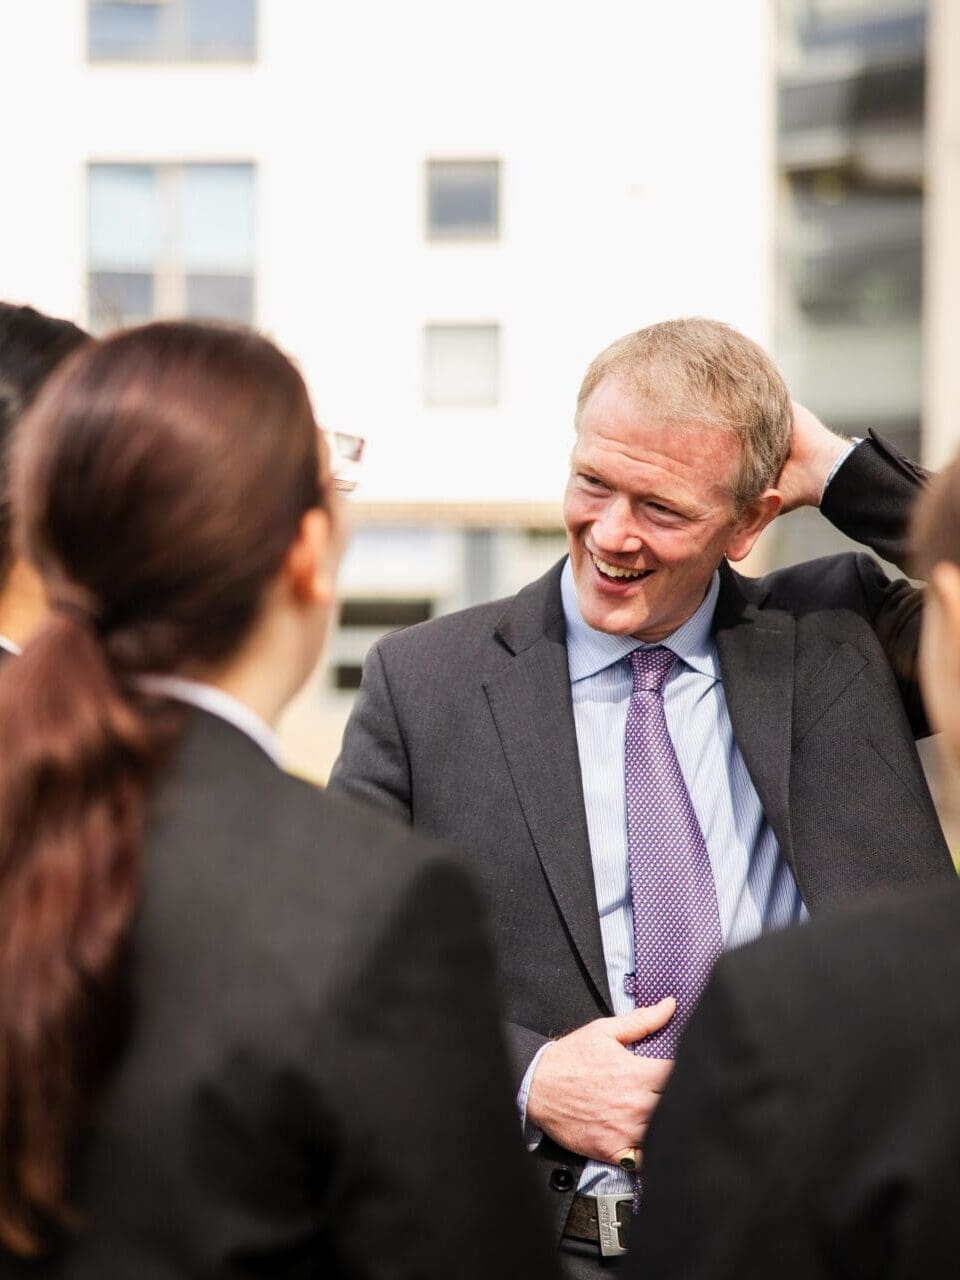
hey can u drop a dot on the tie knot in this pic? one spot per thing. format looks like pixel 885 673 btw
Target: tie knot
pixel 651 667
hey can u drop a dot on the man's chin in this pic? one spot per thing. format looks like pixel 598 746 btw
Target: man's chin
pixel 615 622
pixel 620 611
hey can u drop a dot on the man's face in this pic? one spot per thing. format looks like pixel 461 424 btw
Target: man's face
pixel 649 514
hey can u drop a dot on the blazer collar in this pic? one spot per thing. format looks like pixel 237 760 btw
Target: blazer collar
pixel 756 647
pixel 531 706
pixel 534 613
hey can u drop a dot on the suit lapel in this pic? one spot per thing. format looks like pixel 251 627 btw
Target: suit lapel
pixel 756 649
pixel 531 706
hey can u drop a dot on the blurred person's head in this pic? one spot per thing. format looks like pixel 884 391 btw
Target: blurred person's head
pixel 173 490
pixel 32 345
pixel 936 546
pixel 682 430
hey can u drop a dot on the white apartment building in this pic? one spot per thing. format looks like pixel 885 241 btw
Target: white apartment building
pixel 442 209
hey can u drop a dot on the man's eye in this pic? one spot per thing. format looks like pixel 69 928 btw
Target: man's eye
pixel 593 481
pixel 661 510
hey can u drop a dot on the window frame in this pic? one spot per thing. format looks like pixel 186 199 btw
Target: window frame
pixel 169 271
pixel 430 401
pixel 179 53
pixel 476 235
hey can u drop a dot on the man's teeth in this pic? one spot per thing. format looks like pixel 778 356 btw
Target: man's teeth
pixel 612 571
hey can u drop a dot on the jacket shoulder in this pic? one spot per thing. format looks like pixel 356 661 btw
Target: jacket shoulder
pixel 344 821
pixel 279 843
pixel 828 582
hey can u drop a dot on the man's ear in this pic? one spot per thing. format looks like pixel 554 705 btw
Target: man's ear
pixel 310 564
pixel 751 523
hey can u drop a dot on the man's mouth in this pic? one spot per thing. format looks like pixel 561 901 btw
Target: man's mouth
pixel 614 571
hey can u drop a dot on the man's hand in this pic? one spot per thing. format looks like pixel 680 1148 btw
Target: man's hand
pixel 813 452
pixel 593 1095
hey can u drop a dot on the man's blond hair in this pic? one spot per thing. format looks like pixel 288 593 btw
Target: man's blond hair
pixel 701 372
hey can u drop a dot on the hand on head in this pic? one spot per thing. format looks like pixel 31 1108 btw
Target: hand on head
pixel 814 451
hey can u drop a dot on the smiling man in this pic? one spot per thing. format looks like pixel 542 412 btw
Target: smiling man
pixel 648 758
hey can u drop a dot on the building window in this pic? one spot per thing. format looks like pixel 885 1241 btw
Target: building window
pixel 170 240
pixel 856 256
pixel 347 676
pixel 461 364
pixel 463 199
pixel 172 30
pixel 384 615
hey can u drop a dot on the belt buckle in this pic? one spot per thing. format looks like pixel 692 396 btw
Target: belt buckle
pixel 609 1224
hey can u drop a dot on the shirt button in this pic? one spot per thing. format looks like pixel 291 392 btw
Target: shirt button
pixel 562 1179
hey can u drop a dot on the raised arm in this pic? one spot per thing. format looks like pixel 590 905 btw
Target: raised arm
pixel 868 493
pixel 871 497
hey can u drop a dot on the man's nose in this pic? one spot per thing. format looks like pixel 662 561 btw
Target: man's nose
pixel 616 530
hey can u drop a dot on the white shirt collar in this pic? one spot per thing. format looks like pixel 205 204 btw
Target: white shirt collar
pixel 590 651
pixel 218 703
pixel 10 645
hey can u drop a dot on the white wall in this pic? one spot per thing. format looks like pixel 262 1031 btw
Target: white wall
pixel 636 140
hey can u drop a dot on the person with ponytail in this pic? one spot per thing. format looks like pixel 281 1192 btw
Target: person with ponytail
pixel 811 1127
pixel 246 1027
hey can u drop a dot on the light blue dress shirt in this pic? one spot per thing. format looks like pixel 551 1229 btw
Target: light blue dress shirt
pixel 756 891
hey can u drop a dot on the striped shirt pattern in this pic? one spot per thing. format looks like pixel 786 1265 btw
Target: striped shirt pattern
pixel 756 891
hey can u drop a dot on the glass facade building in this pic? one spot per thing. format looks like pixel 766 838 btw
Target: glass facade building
pixel 849 251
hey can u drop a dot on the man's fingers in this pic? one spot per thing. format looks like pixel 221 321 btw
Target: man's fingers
pixel 656 1073
pixel 633 1026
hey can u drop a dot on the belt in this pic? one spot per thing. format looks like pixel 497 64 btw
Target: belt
pixel 600 1220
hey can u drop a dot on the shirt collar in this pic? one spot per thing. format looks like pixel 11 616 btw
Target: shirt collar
pixel 10 645
pixel 217 703
pixel 590 651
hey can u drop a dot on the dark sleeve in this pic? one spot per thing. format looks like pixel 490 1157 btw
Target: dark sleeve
pixel 373 760
pixel 896 611
pixel 715 1162
pixel 870 499
pixel 523 1046
pixel 435 1180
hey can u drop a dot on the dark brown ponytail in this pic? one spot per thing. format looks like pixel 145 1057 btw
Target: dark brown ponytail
pixel 75 757
pixel 159 481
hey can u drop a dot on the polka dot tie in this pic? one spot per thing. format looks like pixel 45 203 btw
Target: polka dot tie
pixel 676 923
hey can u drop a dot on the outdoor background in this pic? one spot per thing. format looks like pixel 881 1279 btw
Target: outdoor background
pixel 443 209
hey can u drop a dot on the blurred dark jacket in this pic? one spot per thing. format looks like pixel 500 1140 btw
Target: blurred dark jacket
pixel 811 1128
pixel 313 1081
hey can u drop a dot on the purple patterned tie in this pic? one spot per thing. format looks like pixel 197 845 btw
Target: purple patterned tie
pixel 676 923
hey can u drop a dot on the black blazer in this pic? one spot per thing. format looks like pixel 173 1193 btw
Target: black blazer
pixel 464 726
pixel 314 1082
pixel 811 1128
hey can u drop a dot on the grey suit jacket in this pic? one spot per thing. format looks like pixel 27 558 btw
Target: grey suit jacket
pixel 464 727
